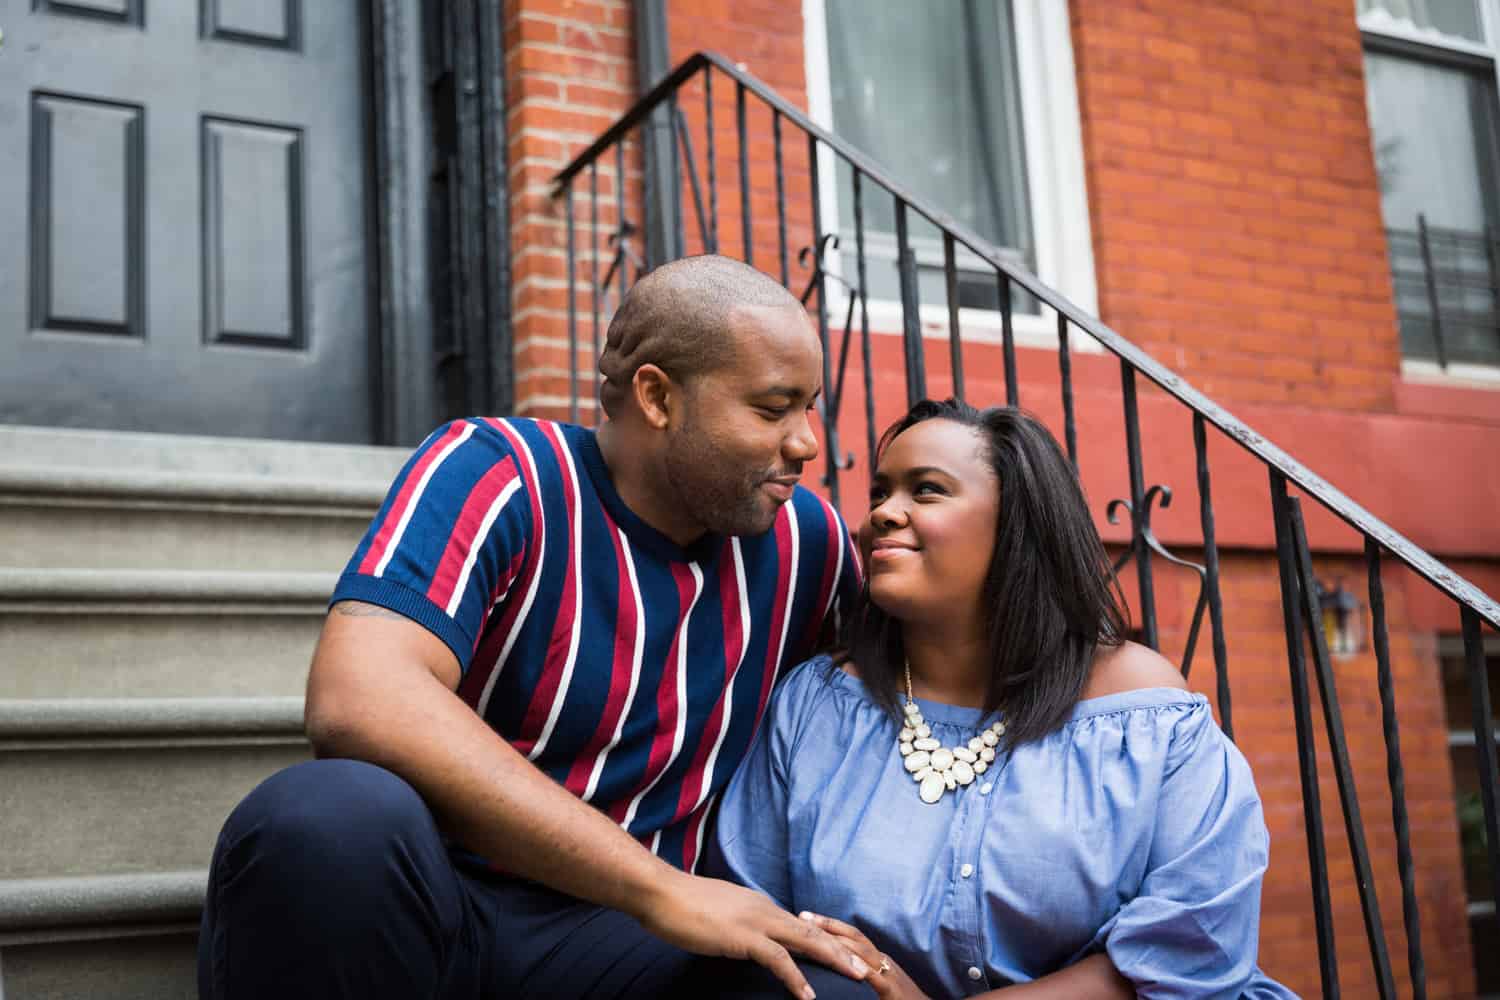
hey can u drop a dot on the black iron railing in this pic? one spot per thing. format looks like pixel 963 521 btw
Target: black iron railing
pixel 617 156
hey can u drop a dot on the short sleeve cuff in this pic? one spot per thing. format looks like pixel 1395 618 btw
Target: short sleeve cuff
pixel 410 604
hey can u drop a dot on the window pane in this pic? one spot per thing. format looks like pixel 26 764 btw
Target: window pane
pixel 1434 136
pixel 930 92
pixel 1459 18
pixel 1432 144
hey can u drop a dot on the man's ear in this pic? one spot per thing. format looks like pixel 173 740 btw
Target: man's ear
pixel 655 394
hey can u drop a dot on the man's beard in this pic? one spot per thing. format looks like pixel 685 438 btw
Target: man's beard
pixel 701 482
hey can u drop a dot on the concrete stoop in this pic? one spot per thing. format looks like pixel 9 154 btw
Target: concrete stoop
pixel 159 600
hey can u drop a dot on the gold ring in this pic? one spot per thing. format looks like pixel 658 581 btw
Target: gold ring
pixel 885 966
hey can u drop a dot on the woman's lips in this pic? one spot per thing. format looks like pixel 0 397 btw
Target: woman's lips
pixel 886 551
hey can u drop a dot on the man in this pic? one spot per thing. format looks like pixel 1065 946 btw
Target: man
pixel 542 664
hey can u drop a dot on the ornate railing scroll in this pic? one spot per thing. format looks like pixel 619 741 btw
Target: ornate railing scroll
pixel 1142 530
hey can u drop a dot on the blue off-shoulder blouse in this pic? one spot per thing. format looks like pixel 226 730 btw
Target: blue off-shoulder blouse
pixel 1135 828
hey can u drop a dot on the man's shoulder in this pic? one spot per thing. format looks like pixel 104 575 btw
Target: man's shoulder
pixel 518 432
pixel 539 447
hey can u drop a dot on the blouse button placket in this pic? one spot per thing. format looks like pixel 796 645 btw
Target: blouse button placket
pixel 973 847
pixel 970 844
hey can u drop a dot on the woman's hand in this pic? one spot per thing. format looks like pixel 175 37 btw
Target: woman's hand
pixel 888 979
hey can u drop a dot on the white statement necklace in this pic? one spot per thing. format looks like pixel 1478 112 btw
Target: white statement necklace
pixel 936 768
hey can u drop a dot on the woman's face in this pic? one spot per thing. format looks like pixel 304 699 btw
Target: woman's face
pixel 930 534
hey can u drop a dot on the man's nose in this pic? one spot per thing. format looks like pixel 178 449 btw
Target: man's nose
pixel 801 445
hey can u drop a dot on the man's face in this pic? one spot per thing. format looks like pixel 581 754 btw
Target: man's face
pixel 745 433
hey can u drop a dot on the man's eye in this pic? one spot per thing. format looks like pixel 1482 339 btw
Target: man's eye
pixel 774 412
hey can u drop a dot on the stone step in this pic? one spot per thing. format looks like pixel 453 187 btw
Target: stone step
pixel 187 453
pixel 119 786
pixel 156 633
pixel 56 516
pixel 118 936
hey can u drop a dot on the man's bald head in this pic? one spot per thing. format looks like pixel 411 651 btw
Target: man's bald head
pixel 678 318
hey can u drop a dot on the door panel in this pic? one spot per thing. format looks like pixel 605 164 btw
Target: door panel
pixel 193 184
pixel 264 22
pixel 86 235
pixel 124 11
pixel 252 233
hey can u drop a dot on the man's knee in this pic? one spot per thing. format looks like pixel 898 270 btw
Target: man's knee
pixel 318 817
pixel 329 879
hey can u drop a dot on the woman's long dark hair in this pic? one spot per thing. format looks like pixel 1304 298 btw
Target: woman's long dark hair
pixel 1051 598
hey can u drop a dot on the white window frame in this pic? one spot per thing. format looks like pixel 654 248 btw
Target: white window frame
pixel 1381 23
pixel 1052 132
pixel 1469 376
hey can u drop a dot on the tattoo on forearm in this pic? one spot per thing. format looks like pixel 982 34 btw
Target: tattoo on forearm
pixel 359 609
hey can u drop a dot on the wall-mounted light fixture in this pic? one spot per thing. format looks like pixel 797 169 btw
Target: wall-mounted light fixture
pixel 1342 619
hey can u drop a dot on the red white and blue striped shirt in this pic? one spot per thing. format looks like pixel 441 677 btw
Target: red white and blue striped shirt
pixel 632 670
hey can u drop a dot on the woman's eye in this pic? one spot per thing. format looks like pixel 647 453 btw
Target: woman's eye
pixel 931 489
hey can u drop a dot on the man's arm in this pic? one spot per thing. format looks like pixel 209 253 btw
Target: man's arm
pixel 381 689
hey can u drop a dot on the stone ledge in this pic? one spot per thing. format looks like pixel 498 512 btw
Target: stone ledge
pixel 126 591
pixel 90 905
pixel 88 487
pixel 80 723
pixel 196 454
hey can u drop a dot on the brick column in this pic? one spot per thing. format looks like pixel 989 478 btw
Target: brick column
pixel 570 72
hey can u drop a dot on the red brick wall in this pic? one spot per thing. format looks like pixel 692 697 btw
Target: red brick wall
pixel 1236 216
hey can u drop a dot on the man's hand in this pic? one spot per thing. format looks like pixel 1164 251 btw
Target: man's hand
pixel 712 917
pixel 889 980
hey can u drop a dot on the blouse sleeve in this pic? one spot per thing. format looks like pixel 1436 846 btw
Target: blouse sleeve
pixel 1192 930
pixel 750 841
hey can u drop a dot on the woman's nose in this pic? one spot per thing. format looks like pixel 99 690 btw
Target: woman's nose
pixel 888 513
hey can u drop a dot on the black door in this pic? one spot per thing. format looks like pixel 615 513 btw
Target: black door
pixel 183 218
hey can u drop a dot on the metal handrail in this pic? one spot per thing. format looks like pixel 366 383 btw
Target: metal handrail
pixel 1338 503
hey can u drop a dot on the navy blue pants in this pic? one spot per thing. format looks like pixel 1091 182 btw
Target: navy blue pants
pixel 332 880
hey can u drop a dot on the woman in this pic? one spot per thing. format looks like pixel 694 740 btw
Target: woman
pixel 989 785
